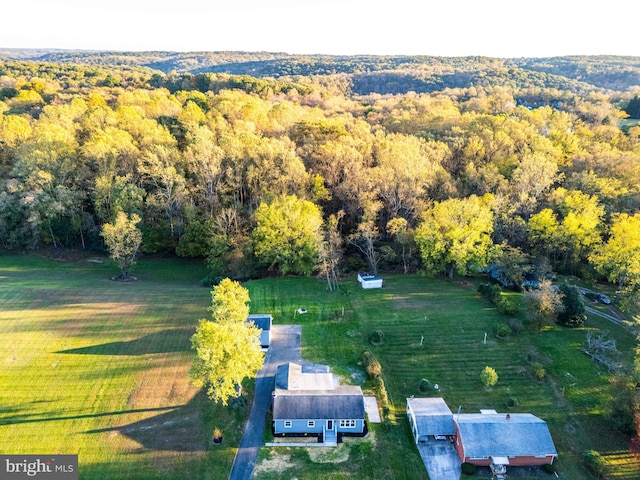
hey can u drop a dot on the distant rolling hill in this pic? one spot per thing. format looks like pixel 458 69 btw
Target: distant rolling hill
pixel 372 74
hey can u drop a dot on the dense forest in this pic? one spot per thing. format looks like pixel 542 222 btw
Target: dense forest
pixel 365 74
pixel 266 162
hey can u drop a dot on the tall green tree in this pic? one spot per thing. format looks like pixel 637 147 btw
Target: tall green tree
pixel 633 108
pixel 287 235
pixel 123 240
pixel 455 235
pixel 230 248
pixel 227 347
pixel 573 313
pixel 624 403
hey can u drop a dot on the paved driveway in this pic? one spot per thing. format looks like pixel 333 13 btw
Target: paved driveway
pixel 285 347
pixel 371 407
pixel 440 459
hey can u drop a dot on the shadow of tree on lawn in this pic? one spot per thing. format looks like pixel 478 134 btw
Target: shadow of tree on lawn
pixel 181 429
pixel 18 418
pixel 165 341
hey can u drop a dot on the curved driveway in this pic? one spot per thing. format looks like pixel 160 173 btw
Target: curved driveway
pixel 285 347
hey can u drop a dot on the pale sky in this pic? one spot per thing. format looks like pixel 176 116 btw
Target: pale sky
pixel 496 28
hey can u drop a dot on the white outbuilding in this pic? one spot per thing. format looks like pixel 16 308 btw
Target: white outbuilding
pixel 369 281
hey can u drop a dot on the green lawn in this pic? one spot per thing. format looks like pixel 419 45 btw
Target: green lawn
pixel 435 329
pixel 99 368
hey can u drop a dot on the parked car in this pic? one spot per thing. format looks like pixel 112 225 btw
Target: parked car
pixel 603 298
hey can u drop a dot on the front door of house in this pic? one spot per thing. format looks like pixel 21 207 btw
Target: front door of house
pixel 329 424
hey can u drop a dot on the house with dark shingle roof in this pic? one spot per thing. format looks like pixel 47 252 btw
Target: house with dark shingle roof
pixel 308 401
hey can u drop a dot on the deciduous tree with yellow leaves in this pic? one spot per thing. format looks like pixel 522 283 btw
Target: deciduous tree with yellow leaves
pixel 227 347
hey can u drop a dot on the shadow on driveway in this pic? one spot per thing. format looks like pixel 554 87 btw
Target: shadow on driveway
pixel 440 459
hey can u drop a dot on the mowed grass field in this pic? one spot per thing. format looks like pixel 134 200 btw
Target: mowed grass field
pixel 435 329
pixel 99 368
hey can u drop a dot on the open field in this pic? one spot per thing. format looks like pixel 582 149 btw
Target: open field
pixel 99 368
pixel 453 320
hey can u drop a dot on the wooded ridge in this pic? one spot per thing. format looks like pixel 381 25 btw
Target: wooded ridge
pixel 312 157
pixel 406 73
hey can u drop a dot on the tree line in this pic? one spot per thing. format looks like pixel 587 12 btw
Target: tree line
pixel 297 177
pixel 366 74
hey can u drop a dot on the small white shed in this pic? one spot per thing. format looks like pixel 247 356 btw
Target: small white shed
pixel 369 281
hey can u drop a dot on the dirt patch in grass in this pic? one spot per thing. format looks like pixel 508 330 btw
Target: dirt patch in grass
pixel 287 440
pixel 337 454
pixel 341 453
pixel 278 463
pixel 166 384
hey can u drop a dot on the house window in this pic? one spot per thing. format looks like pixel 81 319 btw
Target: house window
pixel 288 424
pixel 311 424
pixel 347 424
